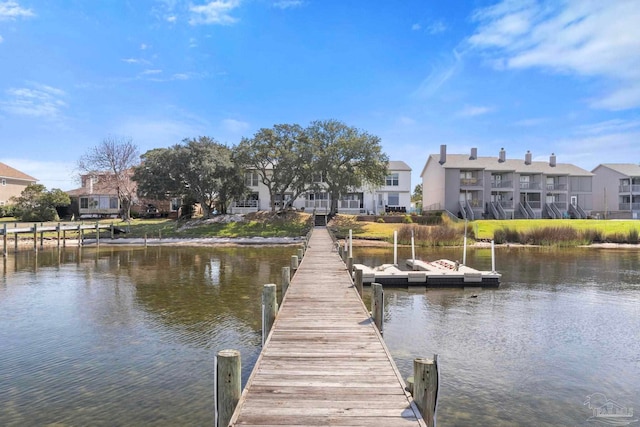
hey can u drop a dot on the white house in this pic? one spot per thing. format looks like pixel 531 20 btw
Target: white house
pixel 393 196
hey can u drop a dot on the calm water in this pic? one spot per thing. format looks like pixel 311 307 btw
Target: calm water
pixel 127 336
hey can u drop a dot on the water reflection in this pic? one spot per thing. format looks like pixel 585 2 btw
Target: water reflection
pixel 116 336
pixel 126 336
pixel 563 325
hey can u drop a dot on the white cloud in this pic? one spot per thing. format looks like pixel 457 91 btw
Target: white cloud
pixel 214 12
pixel 436 27
pixel 530 122
pixel 576 37
pixel 1 39
pixel 234 126
pixel 288 4
pixel 36 101
pixel 608 126
pixel 148 72
pixel 406 121
pixel 10 10
pixel 439 75
pixel 416 27
pixel 171 18
pixel 475 110
pixel 144 46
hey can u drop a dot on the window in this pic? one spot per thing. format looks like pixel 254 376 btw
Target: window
pixel 393 199
pixel 1 202
pixel 318 177
pixel 251 179
pixel 4 181
pixel 175 204
pixel 84 203
pixel 113 203
pixel 277 200
pixel 392 180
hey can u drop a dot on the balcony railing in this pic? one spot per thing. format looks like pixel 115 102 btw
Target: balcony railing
pixel 315 204
pixel 529 185
pixel 629 189
pixel 471 182
pixel 501 184
pixel 506 204
pixel 349 204
pixel 556 187
pixel 629 206
pixel 535 204
pixel 245 204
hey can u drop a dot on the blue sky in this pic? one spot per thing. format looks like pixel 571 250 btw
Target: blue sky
pixel 556 76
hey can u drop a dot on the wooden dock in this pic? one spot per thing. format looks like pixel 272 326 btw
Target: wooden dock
pixel 324 362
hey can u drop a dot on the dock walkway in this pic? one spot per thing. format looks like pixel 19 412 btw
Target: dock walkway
pixel 324 362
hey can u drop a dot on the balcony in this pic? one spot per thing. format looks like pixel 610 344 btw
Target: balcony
pixel 629 189
pixel 470 182
pixel 501 184
pixel 629 206
pixel 556 187
pixel 530 185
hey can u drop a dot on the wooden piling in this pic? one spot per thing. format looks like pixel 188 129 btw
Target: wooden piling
pixel 4 240
pixel 64 238
pixel 286 280
pixel 111 231
pixel 300 254
pixel 228 385
pixel 35 237
pixel 58 234
pixel 294 264
pixel 425 387
pixel 377 305
pixel 269 310
pixel 350 264
pixel 358 281
pixel 80 235
pixel 97 233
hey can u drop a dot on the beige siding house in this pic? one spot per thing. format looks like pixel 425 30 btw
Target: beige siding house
pixel 474 187
pixel 12 182
pixel 617 186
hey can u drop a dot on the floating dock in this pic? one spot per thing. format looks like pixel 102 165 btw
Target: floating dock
pixel 442 273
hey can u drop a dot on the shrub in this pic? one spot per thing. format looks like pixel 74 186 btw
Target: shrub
pixel 633 236
pixel 442 235
pixel 380 220
pixel 592 236
pixel 407 219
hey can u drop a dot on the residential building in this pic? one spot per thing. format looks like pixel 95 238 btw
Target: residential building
pixel 474 187
pixel 393 196
pixel 12 183
pixel 98 197
pixel 618 188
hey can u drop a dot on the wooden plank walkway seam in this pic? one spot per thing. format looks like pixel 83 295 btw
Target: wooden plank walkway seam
pixel 324 362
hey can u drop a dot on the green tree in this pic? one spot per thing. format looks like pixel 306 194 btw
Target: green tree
pixel 282 157
pixel 113 161
pixel 416 197
pixel 199 168
pixel 346 158
pixel 35 203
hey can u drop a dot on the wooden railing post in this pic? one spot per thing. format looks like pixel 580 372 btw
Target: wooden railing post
pixel 294 264
pixel 425 387
pixel 350 264
pixel 269 309
pixel 228 385
pixel 377 305
pixel 358 281
pixel 286 280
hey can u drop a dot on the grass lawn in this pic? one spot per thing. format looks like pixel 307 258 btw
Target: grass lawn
pixel 484 229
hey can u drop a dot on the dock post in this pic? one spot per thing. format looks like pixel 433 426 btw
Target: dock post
pixel 41 238
pixel 493 257
pixel 4 240
pixel 300 253
pixel 228 385
pixel 425 387
pixel 350 264
pixel 269 309
pixel 80 235
pixel 377 305
pixel 15 239
pixel 340 251
pixel 145 240
pixel 58 234
pixel 111 230
pixel 413 251
pixel 286 278
pixel 35 237
pixel 294 264
pixel 64 238
pixel 395 247
pixel 358 281
pixel 97 234
pixel 350 243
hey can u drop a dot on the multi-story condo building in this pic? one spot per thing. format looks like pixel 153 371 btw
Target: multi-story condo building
pixel 393 196
pixel 617 186
pixel 12 183
pixel 475 187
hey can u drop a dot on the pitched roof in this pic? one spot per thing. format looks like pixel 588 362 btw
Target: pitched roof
pixel 628 169
pixel 462 161
pixel 398 165
pixel 7 171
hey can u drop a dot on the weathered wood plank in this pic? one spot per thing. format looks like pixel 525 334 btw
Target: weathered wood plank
pixel 317 364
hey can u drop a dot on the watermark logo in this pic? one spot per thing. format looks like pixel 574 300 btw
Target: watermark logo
pixel 607 412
